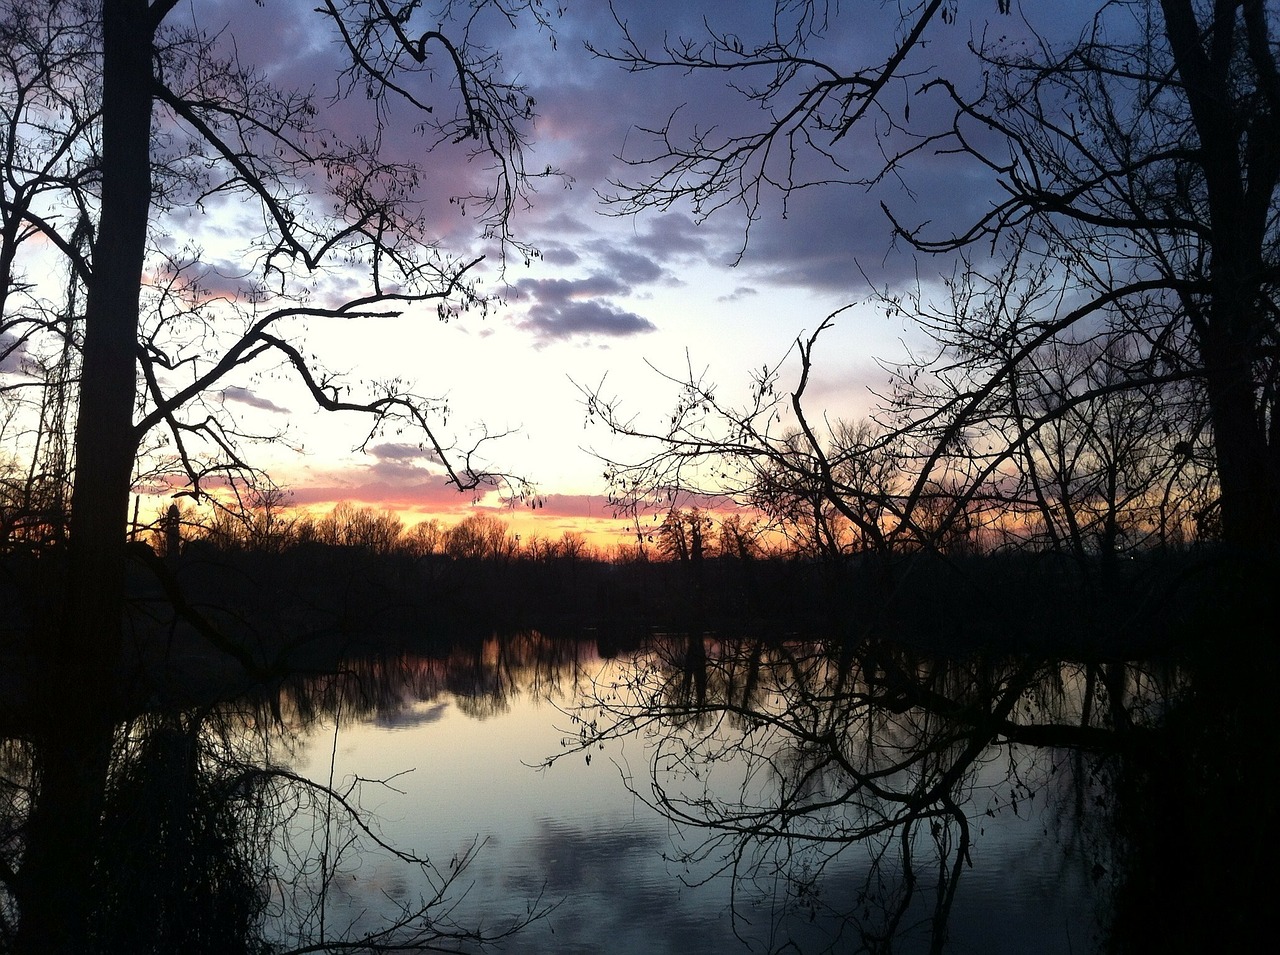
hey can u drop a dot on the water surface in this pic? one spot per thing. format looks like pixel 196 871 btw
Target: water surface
pixel 467 776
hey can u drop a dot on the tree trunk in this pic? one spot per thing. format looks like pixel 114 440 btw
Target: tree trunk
pixel 1236 152
pixel 105 441
pixel 1246 475
pixel 80 688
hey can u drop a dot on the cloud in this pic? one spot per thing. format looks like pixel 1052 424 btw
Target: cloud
pixel 575 505
pixel 246 397
pixel 430 493
pixel 575 308
pixel 210 280
pixel 674 234
pixel 827 237
pixel 402 452
pixel 580 319
pixel 636 268
pixel 560 291
pixel 555 254
pixel 12 354
pixel 400 463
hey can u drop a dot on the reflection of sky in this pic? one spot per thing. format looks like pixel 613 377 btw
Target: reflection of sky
pixel 410 716
pixel 573 834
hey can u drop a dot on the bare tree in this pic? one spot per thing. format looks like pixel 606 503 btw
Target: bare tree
pixel 361 528
pixel 426 538
pixel 1135 211
pixel 1134 177
pixel 117 119
pixel 1075 439
pixel 121 119
pixel 479 537
pixel 807 105
pixel 831 487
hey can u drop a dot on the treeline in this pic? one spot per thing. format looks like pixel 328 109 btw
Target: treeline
pixel 266 575
pixel 689 570
pixel 366 574
pixel 268 527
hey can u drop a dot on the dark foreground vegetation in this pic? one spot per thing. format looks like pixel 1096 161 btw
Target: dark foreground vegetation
pixel 357 579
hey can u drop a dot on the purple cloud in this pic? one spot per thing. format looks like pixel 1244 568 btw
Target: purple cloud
pixel 570 308
pixel 402 462
pixel 556 254
pixel 578 319
pixel 12 354
pixel 551 291
pixel 634 267
pixel 246 397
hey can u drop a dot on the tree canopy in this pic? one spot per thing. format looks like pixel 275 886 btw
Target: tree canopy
pixel 1105 340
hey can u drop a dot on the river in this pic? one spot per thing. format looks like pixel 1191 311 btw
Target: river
pixel 482 757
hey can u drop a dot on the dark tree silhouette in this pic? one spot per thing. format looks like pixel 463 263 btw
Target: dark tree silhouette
pixel 1134 223
pixel 119 117
pixel 1135 178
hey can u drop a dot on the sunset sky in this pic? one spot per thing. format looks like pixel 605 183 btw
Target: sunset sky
pixel 612 296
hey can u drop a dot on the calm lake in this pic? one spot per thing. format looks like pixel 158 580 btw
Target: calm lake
pixel 623 802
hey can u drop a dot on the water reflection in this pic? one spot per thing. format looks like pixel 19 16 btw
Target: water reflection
pixel 202 838
pixel 696 794
pixel 785 761
pixel 811 797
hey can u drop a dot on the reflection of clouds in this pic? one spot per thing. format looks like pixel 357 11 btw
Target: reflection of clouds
pixel 420 714
pixel 577 837
pixel 615 886
pixel 573 858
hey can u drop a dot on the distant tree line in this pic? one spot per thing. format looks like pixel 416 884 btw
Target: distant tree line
pixel 269 574
pixel 264 522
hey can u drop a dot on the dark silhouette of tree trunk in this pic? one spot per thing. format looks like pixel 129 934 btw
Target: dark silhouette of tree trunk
pixel 55 894
pixel 1236 153
pixel 105 440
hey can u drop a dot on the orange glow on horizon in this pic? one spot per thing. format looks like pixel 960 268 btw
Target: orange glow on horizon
pixel 603 531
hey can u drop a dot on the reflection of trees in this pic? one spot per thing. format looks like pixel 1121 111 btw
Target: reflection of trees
pixel 794 758
pixel 209 844
pixel 481 675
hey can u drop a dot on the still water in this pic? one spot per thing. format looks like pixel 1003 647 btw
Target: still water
pixel 563 819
